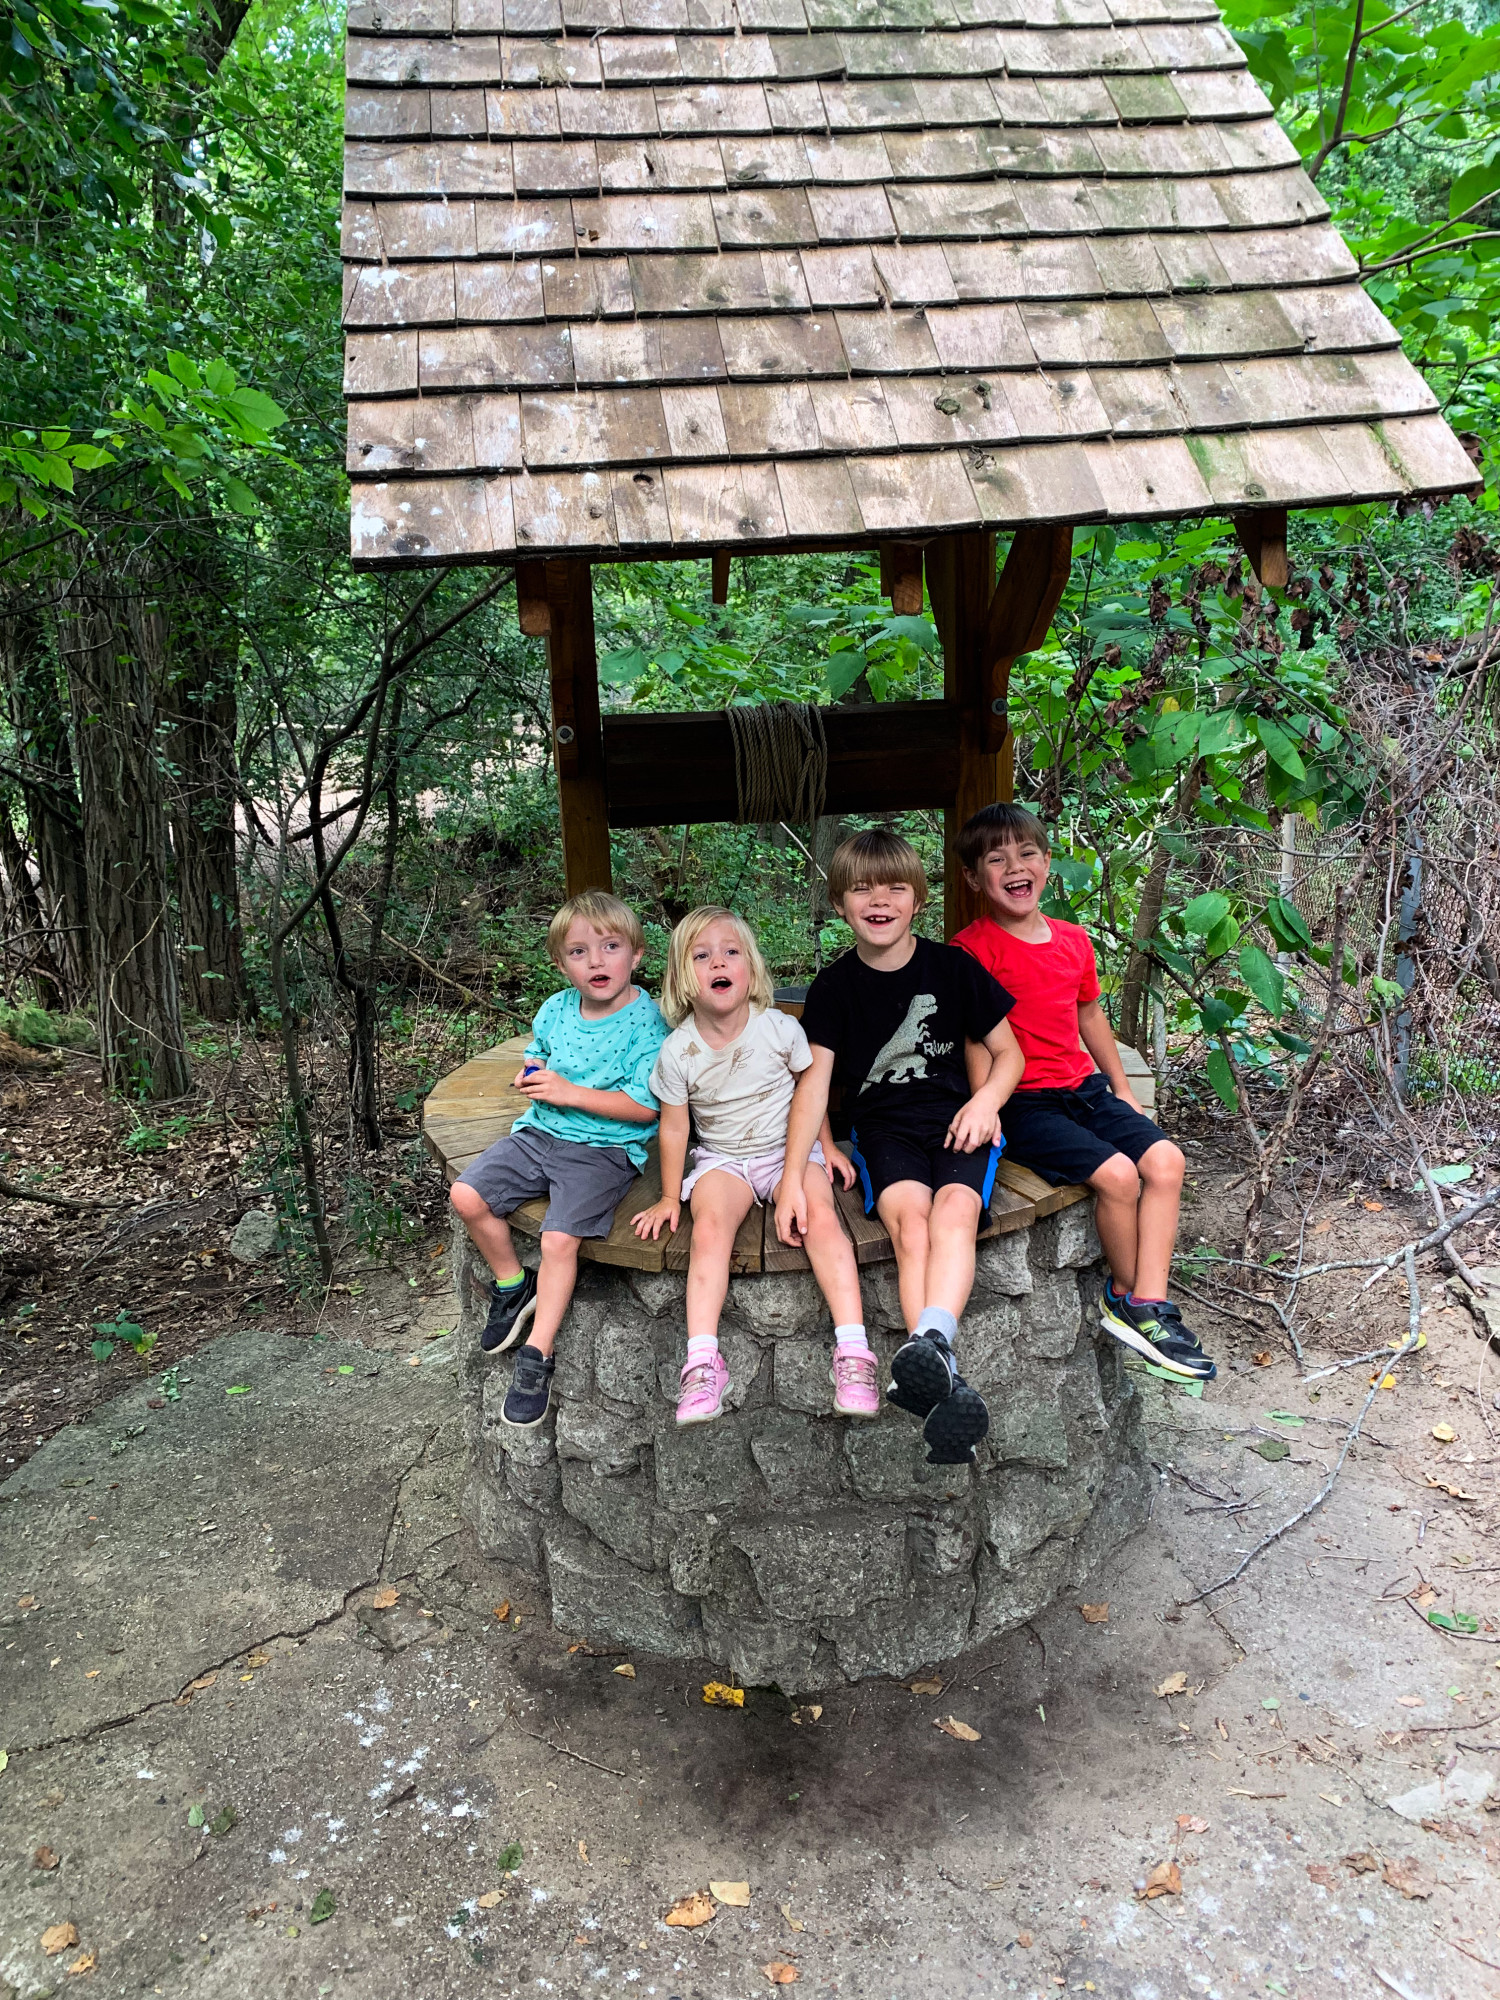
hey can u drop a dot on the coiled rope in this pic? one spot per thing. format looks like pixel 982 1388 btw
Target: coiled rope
pixel 780 762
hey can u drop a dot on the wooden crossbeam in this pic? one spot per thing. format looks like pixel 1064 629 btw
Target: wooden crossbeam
pixel 531 599
pixel 1020 616
pixel 720 578
pixel 1262 535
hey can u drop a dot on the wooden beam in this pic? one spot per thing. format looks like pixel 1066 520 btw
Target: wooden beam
pixel 1262 535
pixel 901 577
pixel 1020 616
pixel 882 757
pixel 531 599
pixel 577 739
pixel 720 583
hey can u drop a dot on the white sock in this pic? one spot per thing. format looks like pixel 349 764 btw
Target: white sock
pixel 851 1340
pixel 701 1347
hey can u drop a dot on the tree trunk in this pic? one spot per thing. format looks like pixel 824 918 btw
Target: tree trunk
pixel 111 639
pixel 25 905
pixel 50 792
pixel 1134 1015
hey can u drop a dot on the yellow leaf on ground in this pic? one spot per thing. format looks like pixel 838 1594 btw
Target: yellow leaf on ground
pixel 793 1923
pixel 625 1670
pixel 1094 1614
pixel 583 1854
pixel 688 1912
pixel 811 1712
pixel 780 1973
pixel 735 1894
pixel 1444 1433
pixel 959 1731
pixel 502 1612
pixel 926 1687
pixel 490 1898
pixel 57 1937
pixel 85 1963
pixel 384 1599
pixel 259 1660
pixel 717 1695
pixel 1173 1684
pixel 1165 1879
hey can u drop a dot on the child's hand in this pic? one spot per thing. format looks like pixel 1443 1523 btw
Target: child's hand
pixel 975 1125
pixel 840 1166
pixel 791 1213
pixel 649 1221
pixel 545 1086
pixel 1128 1099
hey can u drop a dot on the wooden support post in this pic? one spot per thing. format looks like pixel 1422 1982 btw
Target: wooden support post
pixel 577 738
pixel 984 627
pixel 531 599
pixel 721 576
pixel 1262 535
pixel 901 577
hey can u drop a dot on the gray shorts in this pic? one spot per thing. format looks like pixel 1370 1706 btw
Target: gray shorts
pixel 586 1184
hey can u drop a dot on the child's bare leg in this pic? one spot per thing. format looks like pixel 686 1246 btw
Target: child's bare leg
pixel 489 1234
pixel 1118 1187
pixel 904 1207
pixel 950 1259
pixel 829 1250
pixel 720 1202
pixel 554 1287
pixel 1161 1170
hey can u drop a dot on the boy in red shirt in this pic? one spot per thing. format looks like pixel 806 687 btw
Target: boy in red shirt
pixel 1072 1117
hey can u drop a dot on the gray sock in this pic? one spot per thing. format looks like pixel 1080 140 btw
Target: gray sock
pixel 935 1320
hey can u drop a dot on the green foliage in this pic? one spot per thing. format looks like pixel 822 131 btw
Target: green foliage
pixel 34 1028
pixel 121 1331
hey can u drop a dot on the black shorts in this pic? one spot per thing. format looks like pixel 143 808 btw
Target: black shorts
pixel 1066 1135
pixel 883 1157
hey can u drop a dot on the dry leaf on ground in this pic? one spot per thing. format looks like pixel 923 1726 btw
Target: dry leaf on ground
pixel 1320 1228
pixel 1453 1492
pixel 1173 1684
pixel 490 1898
pixel 689 1911
pixel 384 1599
pixel 1409 1876
pixel 84 1963
pixel 583 1854
pixel 57 1937
pixel 258 1660
pixel 717 1695
pixel 27 1603
pixel 811 1712
pixel 1410 1701
pixel 793 1923
pixel 203 1681
pixel 926 1687
pixel 625 1670
pixel 1425 1596
pixel 1165 1879
pixel 735 1894
pixel 959 1731
pixel 45 1858
pixel 1263 1358
pixel 1362 1862
pixel 1375 1207
pixel 780 1973
pixel 1190 1823
pixel 1444 1433
pixel 502 1612
pixel 1322 1873
pixel 1094 1614
pixel 1025 1940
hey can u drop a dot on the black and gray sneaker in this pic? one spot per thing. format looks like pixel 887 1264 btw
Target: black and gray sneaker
pixel 530 1390
pixel 511 1308
pixel 1156 1330
pixel 923 1373
pixel 956 1425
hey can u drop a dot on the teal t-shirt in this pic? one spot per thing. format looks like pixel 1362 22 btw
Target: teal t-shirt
pixel 617 1053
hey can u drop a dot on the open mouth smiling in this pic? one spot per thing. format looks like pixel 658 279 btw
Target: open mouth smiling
pixel 720 983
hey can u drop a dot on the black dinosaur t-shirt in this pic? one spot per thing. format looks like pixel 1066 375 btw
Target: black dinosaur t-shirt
pixel 898 1037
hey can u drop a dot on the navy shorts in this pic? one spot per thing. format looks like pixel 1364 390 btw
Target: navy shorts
pixel 1066 1135
pixel 882 1158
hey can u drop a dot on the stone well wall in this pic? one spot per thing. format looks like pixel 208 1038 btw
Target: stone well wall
pixel 781 1542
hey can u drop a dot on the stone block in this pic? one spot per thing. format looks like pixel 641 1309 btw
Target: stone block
pixel 942 1543
pixel 1025 1507
pixel 538 1487
pixel 1008 1594
pixel 1002 1266
pixel 598 1596
pixel 895 1639
pixel 658 1293
pixel 787 1304
pixel 625 1362
pixel 833 1565
pixel 1068 1240
pixel 621 1513
pixel 504 1531
pixel 882 1300
pixel 798 1455
pixel 1052 1318
pixel 988 1338
pixel 761 1652
pixel 801 1377
pixel 1123 1507
pixel 691 1555
pixel 706 1465
pixel 610 1439
pixel 1027 1425
pixel 888 1461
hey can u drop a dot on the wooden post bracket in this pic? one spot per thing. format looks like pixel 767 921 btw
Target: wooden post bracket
pixel 531 599
pixel 720 576
pixel 1262 535
pixel 901 577
pixel 1021 612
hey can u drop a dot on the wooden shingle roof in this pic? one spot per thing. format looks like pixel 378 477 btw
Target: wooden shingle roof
pixel 653 277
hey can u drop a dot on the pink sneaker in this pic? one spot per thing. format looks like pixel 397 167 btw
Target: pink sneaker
pixel 854 1387
pixel 702 1394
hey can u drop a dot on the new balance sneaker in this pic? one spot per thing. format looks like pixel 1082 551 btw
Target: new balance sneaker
pixel 530 1390
pixel 923 1373
pixel 511 1309
pixel 856 1391
pixel 956 1425
pixel 1155 1329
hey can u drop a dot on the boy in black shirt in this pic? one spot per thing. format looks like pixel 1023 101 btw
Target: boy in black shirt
pixel 888 1022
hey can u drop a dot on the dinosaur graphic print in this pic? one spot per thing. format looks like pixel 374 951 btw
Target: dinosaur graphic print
pixel 904 1057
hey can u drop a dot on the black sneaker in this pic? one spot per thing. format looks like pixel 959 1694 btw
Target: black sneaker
pixel 956 1425
pixel 511 1307
pixel 530 1390
pixel 1156 1331
pixel 923 1373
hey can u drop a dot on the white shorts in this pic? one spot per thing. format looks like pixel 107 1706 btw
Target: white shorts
pixel 762 1173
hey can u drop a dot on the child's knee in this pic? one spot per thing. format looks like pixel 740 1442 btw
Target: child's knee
pixel 907 1229
pixel 1163 1165
pixel 955 1207
pixel 1116 1176
pixel 467 1203
pixel 558 1246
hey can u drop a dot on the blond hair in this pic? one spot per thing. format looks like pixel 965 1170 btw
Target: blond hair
pixel 877 856
pixel 605 912
pixel 679 986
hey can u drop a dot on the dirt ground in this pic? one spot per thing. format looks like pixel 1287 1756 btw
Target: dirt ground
pixel 268 1731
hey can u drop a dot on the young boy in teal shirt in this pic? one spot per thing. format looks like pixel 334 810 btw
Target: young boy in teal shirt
pixel 581 1142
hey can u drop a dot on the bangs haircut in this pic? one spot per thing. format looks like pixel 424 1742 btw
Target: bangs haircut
pixel 999 826
pixel 872 858
pixel 679 986
pixel 605 912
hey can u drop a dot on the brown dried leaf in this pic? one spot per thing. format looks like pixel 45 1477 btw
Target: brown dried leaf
pixel 258 1659
pixel 1190 1823
pixel 625 1670
pixel 384 1599
pixel 27 1603
pixel 203 1681
pixel 1409 1876
pixel 58 1937
pixel 583 1854
pixel 45 1858
pixel 502 1612
pixel 1362 1862
pixel 85 1963
pixel 959 1731
pixel 792 1923
pixel 1173 1684
pixel 1165 1879
pixel 735 1894
pixel 780 1973
pixel 1410 1701
pixel 1025 1940
pixel 688 1912
pixel 1322 1873
pixel 490 1898
pixel 926 1687
pixel 1094 1614
pixel 1320 1228
pixel 1262 1359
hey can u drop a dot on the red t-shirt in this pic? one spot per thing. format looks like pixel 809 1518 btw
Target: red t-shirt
pixel 1050 982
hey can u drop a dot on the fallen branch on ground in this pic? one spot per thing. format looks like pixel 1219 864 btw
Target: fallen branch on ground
pixel 19 1193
